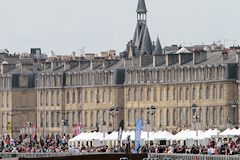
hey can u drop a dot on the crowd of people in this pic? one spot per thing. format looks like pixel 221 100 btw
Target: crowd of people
pixel 27 144
pixel 59 144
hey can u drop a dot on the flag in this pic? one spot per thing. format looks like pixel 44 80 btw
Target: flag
pixel 138 134
pixel 120 130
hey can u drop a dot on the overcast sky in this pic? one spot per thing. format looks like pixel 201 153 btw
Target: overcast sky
pixel 66 25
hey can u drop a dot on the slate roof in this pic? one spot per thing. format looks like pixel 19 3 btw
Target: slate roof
pixel 141 8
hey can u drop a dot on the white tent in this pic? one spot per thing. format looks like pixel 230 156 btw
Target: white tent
pixel 226 133
pixel 163 135
pixel 209 133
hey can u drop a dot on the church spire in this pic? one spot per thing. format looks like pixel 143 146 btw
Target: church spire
pixel 141 7
pixel 158 47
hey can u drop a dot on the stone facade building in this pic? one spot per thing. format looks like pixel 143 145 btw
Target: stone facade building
pixel 99 92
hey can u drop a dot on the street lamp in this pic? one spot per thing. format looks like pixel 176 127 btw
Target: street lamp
pixel 113 112
pixel 150 112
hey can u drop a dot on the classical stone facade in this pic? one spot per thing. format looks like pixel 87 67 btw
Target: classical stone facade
pixel 61 93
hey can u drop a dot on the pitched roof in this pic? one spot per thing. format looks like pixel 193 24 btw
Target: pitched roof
pixel 141 6
pixel 146 43
pixel 158 47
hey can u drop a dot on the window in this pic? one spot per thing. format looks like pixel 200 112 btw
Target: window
pixel 193 93
pixel 135 95
pixel 167 94
pixel 58 119
pixel 52 119
pixel 73 117
pixel 155 95
pixel 41 117
pixel 180 93
pixel 220 92
pixel 161 94
pixel 129 94
pixel 73 97
pixel 214 92
pixel 129 118
pixel 85 96
pixel 47 119
pixel 148 95
pixel 142 115
pixel 110 95
pixel 221 116
pixel 104 96
pixel 68 99
pixel 174 94
pixel 214 116
pixel 200 93
pixel 79 96
pixel 207 117
pixel 79 117
pixel 161 118
pixel 187 117
pixel 135 116
pixel 142 94
pixel 52 99
pixel 167 118
pixel 174 117
pixel 46 98
pixel 186 94
pixel 92 97
pixel 85 119
pixel 207 92
pixel 58 98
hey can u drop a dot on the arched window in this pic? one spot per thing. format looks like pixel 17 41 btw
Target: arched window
pixel 167 94
pixel 187 117
pixel 103 115
pixel 194 94
pixel 46 98
pixel 47 119
pixel 92 119
pixel 129 94
pixel 200 93
pixel 161 118
pixel 104 96
pixel 161 94
pixel 186 93
pixel 73 117
pixel 214 92
pixel 221 116
pixel 174 117
pixel 135 116
pixel 110 95
pixel 98 96
pixel 142 115
pixel 214 116
pixel 58 119
pixel 58 98
pixel 52 119
pixel 174 94
pixel 79 117
pixel 52 98
pixel 73 97
pixel 167 118
pixel 85 96
pixel 220 92
pixel 207 117
pixel 155 95
pixel 148 95
pixel 85 119
pixel 180 93
pixel 181 118
pixel 142 94
pixel 207 92
pixel 92 97
pixel 97 116
pixel 129 117
pixel 135 94
pixel 68 99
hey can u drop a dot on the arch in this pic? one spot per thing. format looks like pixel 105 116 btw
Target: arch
pixel 214 116
pixel 200 93
pixel 92 119
pixel 167 94
pixel 207 94
pixel 186 93
pixel 221 116
pixel 194 93
pixel 148 94
pixel 220 92
pixel 129 117
pixel 68 99
pixel 73 97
